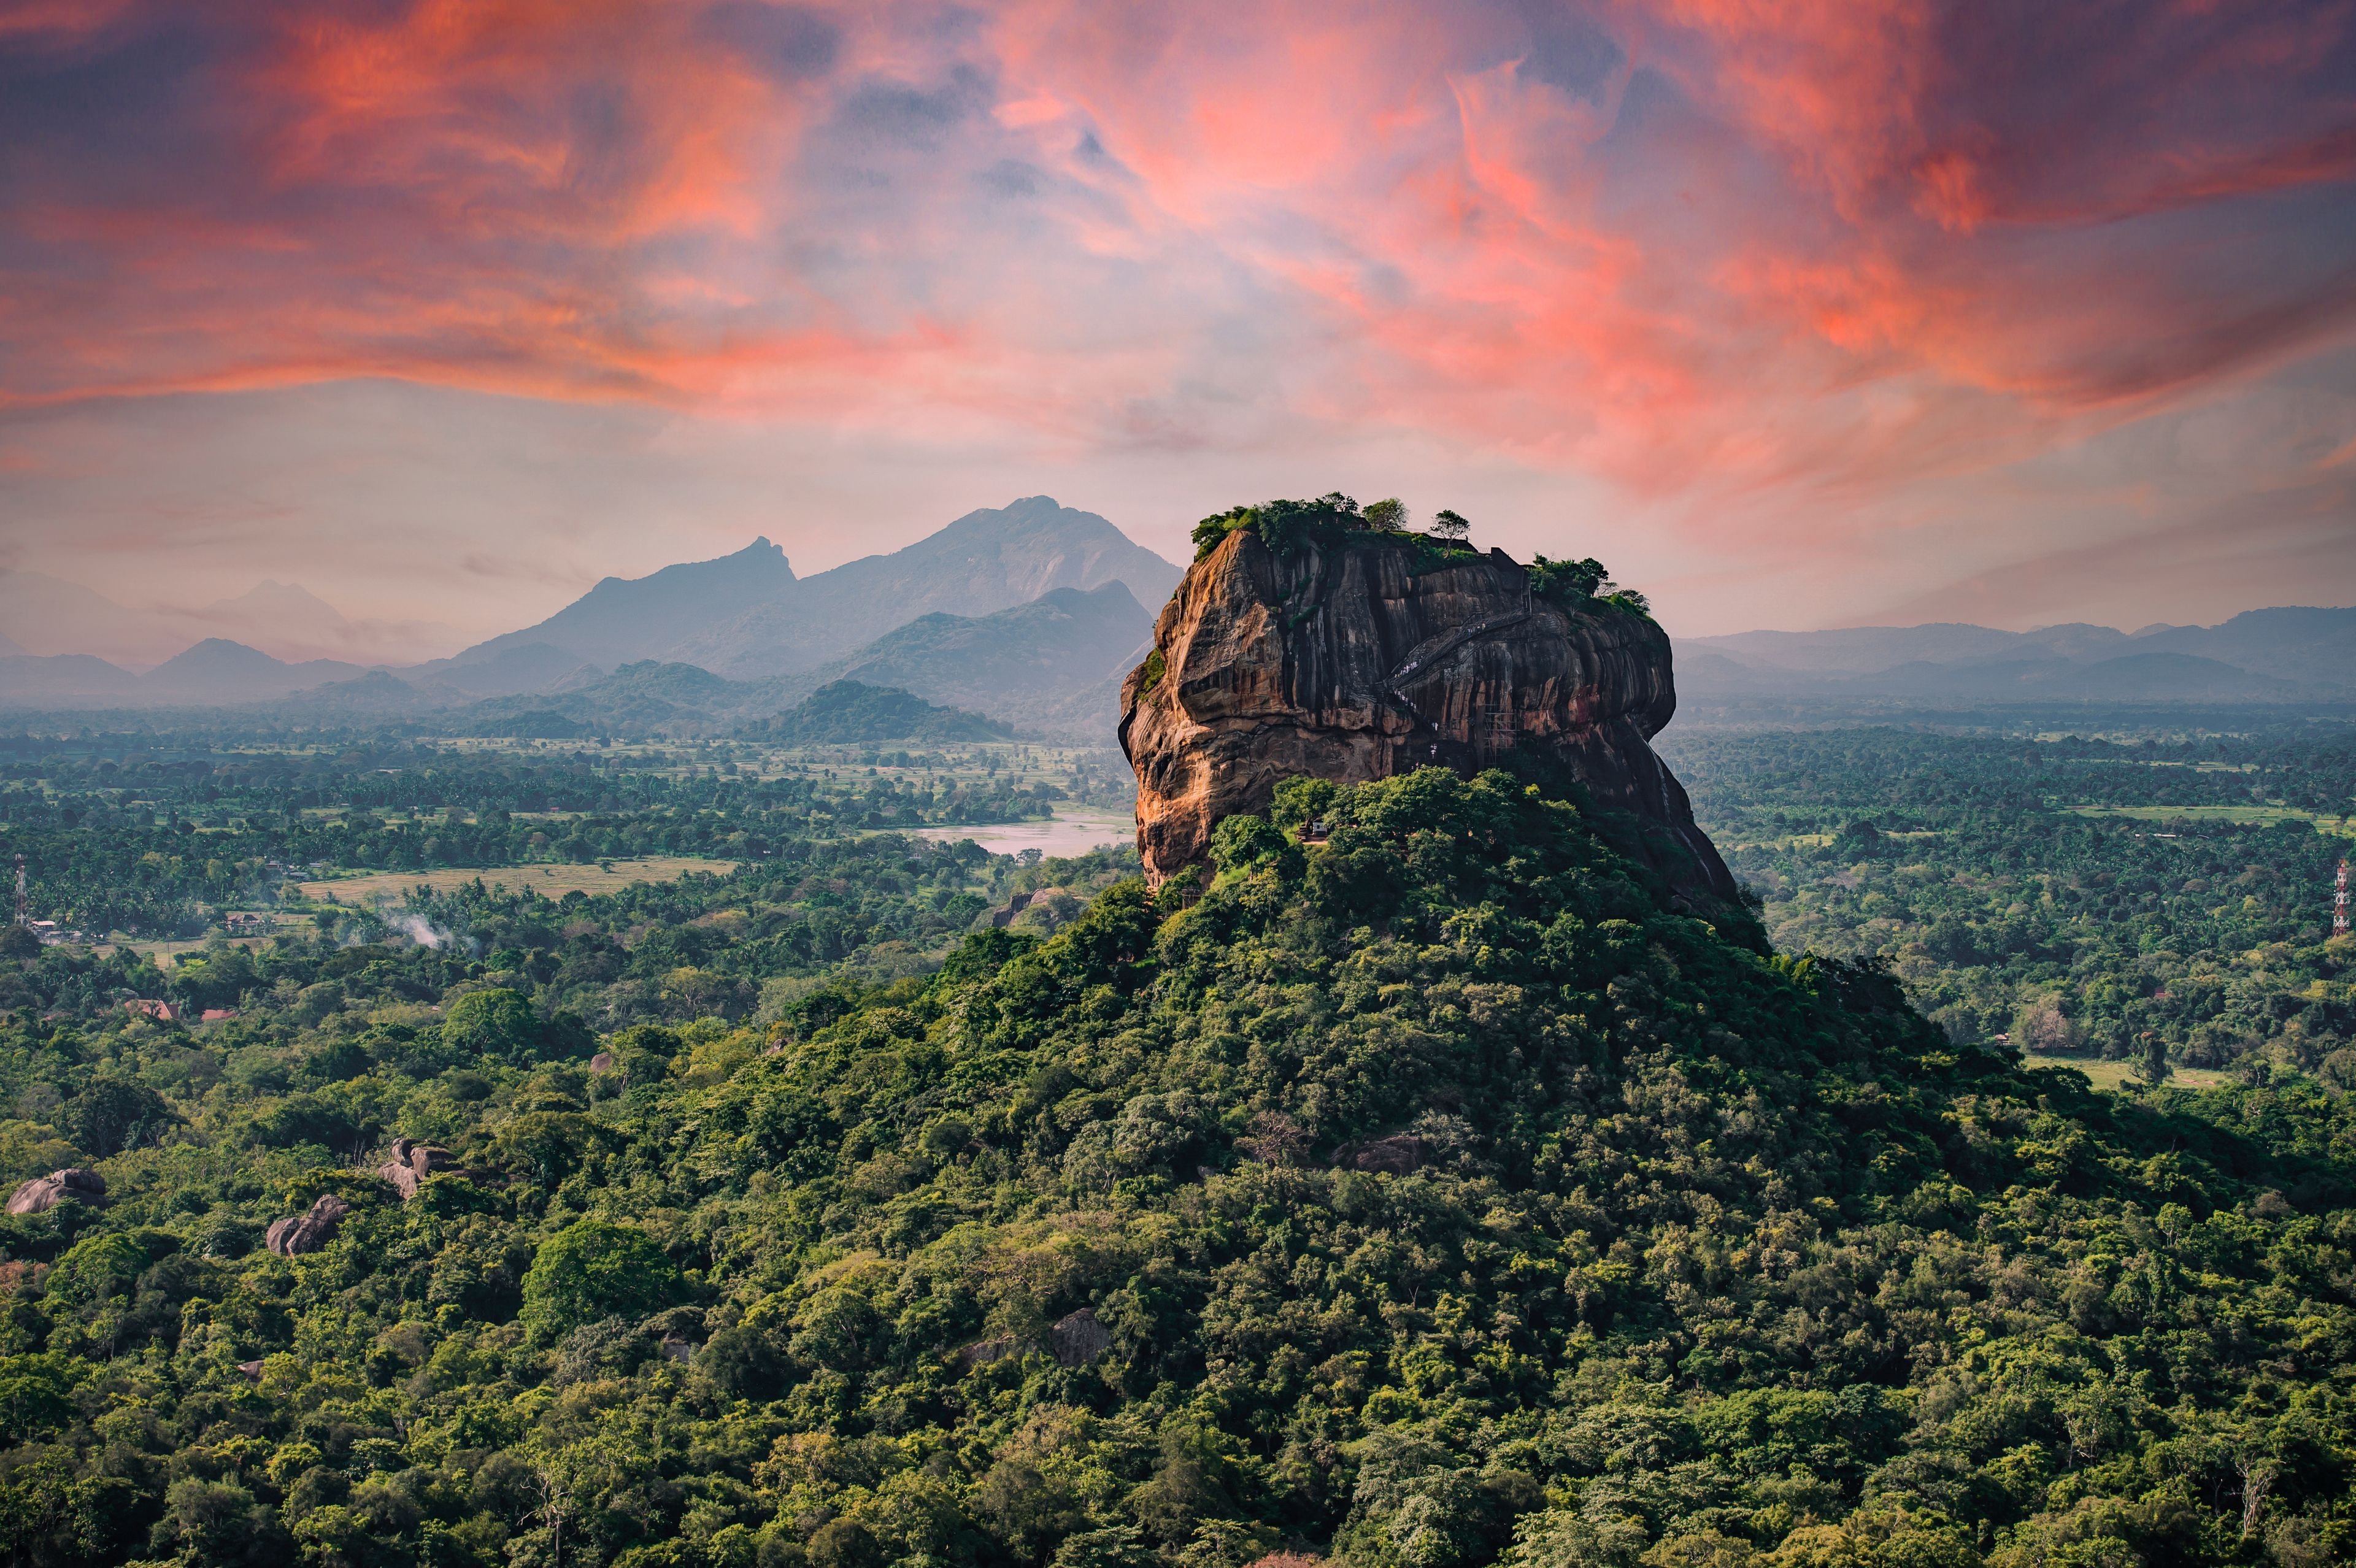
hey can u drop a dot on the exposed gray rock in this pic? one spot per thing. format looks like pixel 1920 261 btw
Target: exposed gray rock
pixel 309 1231
pixel 1079 1339
pixel 43 1192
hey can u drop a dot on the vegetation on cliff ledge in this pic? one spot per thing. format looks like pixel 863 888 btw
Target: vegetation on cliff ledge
pixel 1336 521
pixel 1430 1196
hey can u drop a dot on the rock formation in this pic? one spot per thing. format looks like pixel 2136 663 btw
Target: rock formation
pixel 411 1164
pixel 1075 1340
pixel 1078 1339
pixel 309 1231
pixel 1359 660
pixel 42 1193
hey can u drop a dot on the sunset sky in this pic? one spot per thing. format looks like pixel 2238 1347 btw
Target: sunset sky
pixel 1797 312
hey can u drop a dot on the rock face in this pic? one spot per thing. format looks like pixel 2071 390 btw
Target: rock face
pixel 309 1231
pixel 1359 661
pixel 1079 1339
pixel 42 1193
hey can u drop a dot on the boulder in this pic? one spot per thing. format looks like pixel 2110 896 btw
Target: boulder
pixel 1361 660
pixel 1079 1339
pixel 603 1061
pixel 42 1192
pixel 1401 1154
pixel 308 1232
pixel 412 1163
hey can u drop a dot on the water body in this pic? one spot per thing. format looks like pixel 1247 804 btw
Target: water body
pixel 1069 832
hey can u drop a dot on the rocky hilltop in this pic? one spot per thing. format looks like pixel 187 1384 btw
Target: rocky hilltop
pixel 1357 660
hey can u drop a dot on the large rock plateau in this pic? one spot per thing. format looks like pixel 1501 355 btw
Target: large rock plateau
pixel 1357 661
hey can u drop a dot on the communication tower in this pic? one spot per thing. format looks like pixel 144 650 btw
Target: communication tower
pixel 24 919
pixel 2338 900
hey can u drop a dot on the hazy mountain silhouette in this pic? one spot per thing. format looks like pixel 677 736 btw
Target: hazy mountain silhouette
pixel 747 616
pixel 848 712
pixel 624 620
pixel 2261 655
pixel 217 670
pixel 1052 665
pixel 513 667
pixel 33 680
pixel 645 697
pixel 49 616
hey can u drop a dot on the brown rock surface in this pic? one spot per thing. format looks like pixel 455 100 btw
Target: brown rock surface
pixel 41 1194
pixel 309 1231
pixel 411 1164
pixel 1356 662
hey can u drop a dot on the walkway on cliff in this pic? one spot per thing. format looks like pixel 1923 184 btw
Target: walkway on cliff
pixel 1432 649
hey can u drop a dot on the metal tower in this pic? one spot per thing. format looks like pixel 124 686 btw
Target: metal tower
pixel 24 919
pixel 2338 900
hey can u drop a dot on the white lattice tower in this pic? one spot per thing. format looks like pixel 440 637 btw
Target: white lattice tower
pixel 2340 902
pixel 23 918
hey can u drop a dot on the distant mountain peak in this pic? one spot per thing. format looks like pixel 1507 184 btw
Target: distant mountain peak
pixel 217 653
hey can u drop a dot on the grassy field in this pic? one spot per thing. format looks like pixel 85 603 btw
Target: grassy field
pixel 2263 815
pixel 2114 1074
pixel 549 881
pixel 167 954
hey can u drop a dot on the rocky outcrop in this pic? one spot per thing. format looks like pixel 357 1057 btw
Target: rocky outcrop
pixel 1401 1154
pixel 1357 661
pixel 1073 1340
pixel 1044 909
pixel 42 1193
pixel 411 1164
pixel 1078 1339
pixel 308 1232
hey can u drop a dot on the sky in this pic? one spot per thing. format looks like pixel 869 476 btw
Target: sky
pixel 1795 312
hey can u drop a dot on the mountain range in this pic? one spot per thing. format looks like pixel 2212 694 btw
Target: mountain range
pixel 1053 665
pixel 2262 656
pixel 1031 613
pixel 747 616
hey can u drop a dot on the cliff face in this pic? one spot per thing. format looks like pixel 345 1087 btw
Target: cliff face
pixel 1346 664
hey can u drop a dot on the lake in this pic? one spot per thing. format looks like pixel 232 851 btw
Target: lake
pixel 1070 832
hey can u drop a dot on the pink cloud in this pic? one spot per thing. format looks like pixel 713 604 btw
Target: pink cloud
pixel 1770 251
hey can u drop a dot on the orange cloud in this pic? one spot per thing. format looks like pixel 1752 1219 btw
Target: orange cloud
pixel 1684 245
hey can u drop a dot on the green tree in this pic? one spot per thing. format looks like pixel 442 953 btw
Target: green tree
pixel 113 1115
pixel 496 1023
pixel 593 1269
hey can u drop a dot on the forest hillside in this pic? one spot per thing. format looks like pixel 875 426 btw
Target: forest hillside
pixel 1430 1196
